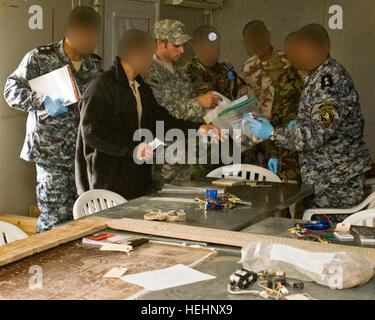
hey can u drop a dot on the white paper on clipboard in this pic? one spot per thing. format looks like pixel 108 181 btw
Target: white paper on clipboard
pixel 59 83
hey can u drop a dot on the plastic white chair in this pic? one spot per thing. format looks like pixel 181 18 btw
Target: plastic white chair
pixel 94 201
pixel 248 172
pixel 10 233
pixel 369 202
pixel 362 218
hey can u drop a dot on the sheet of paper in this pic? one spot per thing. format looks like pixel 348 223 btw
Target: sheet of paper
pixel 57 84
pixel 156 143
pixel 116 273
pixel 175 276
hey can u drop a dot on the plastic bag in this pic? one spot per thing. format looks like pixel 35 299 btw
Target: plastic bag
pixel 336 270
pixel 231 116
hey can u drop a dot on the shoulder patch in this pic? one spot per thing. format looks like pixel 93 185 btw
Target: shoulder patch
pixel 326 81
pixel 46 49
pixel 328 112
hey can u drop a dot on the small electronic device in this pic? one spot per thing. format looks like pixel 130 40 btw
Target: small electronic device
pixel 273 281
pixel 296 284
pixel 344 236
pixel 242 279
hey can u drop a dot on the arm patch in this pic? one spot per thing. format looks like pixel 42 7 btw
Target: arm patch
pixel 328 112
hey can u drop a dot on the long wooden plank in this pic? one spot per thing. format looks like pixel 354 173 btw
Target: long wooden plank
pixel 26 247
pixel 224 237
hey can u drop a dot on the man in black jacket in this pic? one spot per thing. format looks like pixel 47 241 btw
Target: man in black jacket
pixel 113 107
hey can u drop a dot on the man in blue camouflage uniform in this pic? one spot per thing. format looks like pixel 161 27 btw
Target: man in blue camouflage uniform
pixel 52 128
pixel 328 132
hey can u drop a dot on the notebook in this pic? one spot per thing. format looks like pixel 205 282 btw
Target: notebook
pixel 59 83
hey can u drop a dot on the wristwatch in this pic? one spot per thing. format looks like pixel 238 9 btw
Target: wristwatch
pixel 273 136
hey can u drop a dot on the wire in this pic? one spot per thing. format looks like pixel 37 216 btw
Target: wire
pixel 324 214
pixel 254 292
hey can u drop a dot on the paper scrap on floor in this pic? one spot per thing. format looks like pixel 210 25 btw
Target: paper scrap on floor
pixel 174 276
pixel 115 273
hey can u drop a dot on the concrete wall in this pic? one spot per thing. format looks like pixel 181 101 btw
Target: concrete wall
pixel 17 177
pixel 354 46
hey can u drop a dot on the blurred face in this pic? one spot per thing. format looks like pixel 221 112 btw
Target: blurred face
pixel 207 53
pixel 258 40
pixel 169 52
pixel 304 55
pixel 84 39
pixel 141 59
pixel 290 49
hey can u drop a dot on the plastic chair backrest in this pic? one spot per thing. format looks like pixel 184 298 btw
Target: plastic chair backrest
pixel 10 233
pixel 368 203
pixel 94 201
pixel 248 172
pixel 362 218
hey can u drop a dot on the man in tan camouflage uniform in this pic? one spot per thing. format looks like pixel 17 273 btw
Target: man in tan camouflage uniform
pixel 173 89
pixel 261 72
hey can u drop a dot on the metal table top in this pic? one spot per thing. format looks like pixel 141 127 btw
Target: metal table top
pixel 223 266
pixel 227 262
pixel 279 227
pixel 264 201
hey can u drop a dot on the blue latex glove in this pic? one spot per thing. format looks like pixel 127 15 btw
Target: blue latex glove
pixel 292 124
pixel 273 165
pixel 54 107
pixel 261 128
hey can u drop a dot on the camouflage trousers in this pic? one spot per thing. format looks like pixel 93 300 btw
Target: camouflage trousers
pixel 56 193
pixel 338 196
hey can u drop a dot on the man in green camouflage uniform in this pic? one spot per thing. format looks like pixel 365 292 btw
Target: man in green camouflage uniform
pixel 261 72
pixel 288 91
pixel 207 74
pixel 173 90
pixel 204 70
pixel 285 110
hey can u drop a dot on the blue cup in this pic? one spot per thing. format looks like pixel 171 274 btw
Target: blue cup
pixel 211 194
